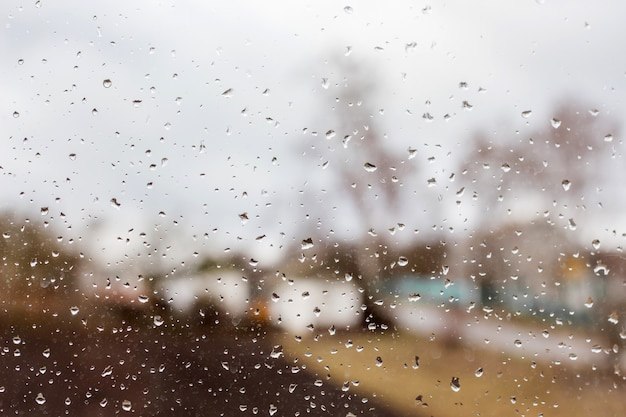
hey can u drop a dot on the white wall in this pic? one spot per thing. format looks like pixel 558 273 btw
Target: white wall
pixel 339 304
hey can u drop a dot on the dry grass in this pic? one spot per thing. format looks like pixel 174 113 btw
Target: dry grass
pixel 507 387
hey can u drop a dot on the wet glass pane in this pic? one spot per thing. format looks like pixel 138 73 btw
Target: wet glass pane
pixel 231 208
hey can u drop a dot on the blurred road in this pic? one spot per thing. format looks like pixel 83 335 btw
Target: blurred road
pixel 140 369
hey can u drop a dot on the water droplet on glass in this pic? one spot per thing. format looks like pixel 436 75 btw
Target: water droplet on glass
pixel 107 371
pixel 40 399
pixel 107 83
pixel 104 402
pixel 608 138
pixel 589 302
pixel 566 184
pixel 455 385
pixel 158 320
pixel 228 93
pixel 143 299
pixel 348 9
pixel 555 123
pixel 505 167
pixel 614 318
pixel 72 156
pixel 545 334
pixel 527 113
pixel 74 310
pixel 379 361
pixel 412 153
pixel 403 261
pixel 571 224
pixel 478 372
pixel 275 297
pixel 273 409
pixel 126 405
pixel 414 297
pixel 369 167
pixel 16 114
pixel 573 356
pixel 330 134
pixel 517 343
pixel 46 353
pixel 307 244
pixel 94 111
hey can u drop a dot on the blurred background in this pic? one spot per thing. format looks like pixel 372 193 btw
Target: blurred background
pixel 286 176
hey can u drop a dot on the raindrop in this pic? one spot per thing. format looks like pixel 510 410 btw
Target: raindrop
pixel 596 244
pixel 614 318
pixel 403 261
pixel 107 371
pixel 273 409
pixel 16 114
pixel 414 297
pixel 317 311
pixel 107 83
pixel 455 385
pixel 478 372
pixel 527 113
pixel 555 123
pixel 608 138
pixel 17 340
pixel 589 302
pixel 275 297
pixel 72 156
pixel 158 320
pixel 379 361
pixel 330 134
pixel 571 224
pixel 104 402
pixel 307 244
pixel 143 299
pixel 68 401
pixel 545 334
pixel 74 310
pixel 348 9
pixel 369 167
pixel 517 343
pixel 573 356
pixel 40 399
pixel 417 362
pixel 505 167
pixel 566 184
pixel 228 93
pixel 94 111
pixel 126 405
pixel 46 353
pixel 412 153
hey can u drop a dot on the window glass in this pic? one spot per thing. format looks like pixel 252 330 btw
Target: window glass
pixel 232 208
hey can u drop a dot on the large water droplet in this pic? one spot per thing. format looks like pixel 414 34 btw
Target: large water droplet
pixel 555 123
pixel 403 261
pixel 369 167
pixel 527 113
pixel 107 83
pixel 478 372
pixel 74 310
pixel 455 385
pixel 40 399
pixel 127 405
pixel 566 184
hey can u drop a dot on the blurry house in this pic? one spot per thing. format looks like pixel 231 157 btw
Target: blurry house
pixel 307 305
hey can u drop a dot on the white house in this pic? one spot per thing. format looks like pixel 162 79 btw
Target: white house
pixel 311 305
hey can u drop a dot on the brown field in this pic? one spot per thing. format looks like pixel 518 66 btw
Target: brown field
pixel 382 366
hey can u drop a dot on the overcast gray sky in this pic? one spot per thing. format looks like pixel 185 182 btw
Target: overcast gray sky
pixel 208 104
